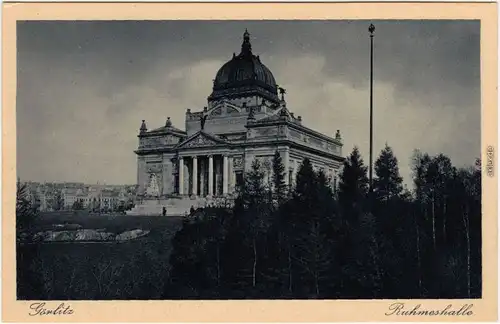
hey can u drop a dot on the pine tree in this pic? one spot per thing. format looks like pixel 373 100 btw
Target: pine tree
pixel 361 264
pixel 353 186
pixel 275 270
pixel 326 200
pixel 252 219
pixel 390 231
pixel 310 223
pixel 279 185
pixel 306 184
pixel 253 194
pixel 324 188
pixel 388 182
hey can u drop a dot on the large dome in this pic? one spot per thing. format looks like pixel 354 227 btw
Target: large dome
pixel 244 75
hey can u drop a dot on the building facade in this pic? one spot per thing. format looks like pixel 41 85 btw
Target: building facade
pixel 246 118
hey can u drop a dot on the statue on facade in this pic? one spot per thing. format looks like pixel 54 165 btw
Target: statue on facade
pixel 153 189
pixel 282 93
pixel 203 119
pixel 251 114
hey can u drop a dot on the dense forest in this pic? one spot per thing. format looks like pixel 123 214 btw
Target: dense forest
pixel 350 243
pixel 310 241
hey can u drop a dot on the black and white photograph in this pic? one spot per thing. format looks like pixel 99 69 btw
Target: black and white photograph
pixel 249 160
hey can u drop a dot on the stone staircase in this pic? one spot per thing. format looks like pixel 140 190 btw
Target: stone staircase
pixel 175 206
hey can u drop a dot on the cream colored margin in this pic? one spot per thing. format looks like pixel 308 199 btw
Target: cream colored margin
pixel 484 309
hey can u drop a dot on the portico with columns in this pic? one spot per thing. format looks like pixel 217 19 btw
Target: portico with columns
pixel 207 174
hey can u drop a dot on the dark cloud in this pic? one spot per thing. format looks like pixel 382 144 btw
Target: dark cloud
pixel 83 87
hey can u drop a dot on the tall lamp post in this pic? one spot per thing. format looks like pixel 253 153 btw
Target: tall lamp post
pixel 371 29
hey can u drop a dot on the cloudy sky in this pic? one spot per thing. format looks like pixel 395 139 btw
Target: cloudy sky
pixel 84 87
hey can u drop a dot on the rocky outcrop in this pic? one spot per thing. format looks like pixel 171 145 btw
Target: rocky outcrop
pixel 93 235
pixel 130 235
pixel 68 227
pixel 87 235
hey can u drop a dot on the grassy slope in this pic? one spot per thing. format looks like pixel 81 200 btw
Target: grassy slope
pixel 131 270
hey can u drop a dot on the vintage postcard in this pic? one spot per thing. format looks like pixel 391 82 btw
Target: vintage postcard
pixel 249 162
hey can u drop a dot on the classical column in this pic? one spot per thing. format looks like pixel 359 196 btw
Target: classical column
pixel 233 176
pixel 225 175
pixel 217 176
pixel 202 178
pixel 167 175
pixel 181 175
pixel 230 178
pixel 210 175
pixel 195 176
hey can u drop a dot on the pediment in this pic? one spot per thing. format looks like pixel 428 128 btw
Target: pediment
pixel 224 108
pixel 201 139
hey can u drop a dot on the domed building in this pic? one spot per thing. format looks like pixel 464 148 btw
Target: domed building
pixel 246 118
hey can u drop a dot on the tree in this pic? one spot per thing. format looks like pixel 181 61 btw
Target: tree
pixel 310 246
pixel 469 180
pixel 28 278
pixel 309 232
pixel 279 172
pixel 77 205
pixel 198 245
pixel 252 214
pixel 306 184
pixel 325 193
pixel 25 211
pixel 389 230
pixel 388 182
pixel 448 225
pixel 438 178
pixel 58 201
pixel 353 186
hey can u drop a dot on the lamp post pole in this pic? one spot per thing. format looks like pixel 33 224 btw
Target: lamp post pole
pixel 371 29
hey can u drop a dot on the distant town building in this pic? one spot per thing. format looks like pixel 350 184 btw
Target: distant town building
pixel 95 197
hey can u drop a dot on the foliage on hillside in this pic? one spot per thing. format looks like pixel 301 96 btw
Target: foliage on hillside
pixel 393 244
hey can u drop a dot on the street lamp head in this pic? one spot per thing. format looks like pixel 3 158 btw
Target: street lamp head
pixel 371 29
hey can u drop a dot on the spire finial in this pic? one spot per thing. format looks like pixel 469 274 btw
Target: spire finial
pixel 371 29
pixel 143 128
pixel 246 47
pixel 168 123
